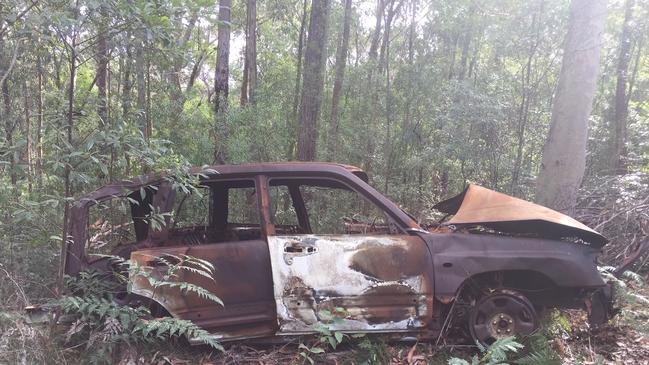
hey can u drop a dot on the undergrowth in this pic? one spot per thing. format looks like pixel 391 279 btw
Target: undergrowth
pixel 629 298
pixel 102 327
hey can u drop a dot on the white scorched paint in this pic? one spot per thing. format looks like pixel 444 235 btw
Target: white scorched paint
pixel 328 270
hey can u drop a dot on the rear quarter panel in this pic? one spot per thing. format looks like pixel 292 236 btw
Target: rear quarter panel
pixel 458 256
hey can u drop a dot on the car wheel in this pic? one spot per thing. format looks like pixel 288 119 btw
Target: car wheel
pixel 501 314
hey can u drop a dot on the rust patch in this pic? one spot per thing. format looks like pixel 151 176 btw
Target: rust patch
pixel 375 311
pixel 388 262
pixel 376 315
pixel 377 305
pixel 391 289
pixel 298 300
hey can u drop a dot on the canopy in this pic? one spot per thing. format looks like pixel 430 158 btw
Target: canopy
pixel 481 206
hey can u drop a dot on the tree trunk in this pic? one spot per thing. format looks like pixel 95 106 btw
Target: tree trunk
pixel 376 35
pixel 618 154
pixel 385 62
pixel 371 103
pixel 564 153
pixel 249 83
pixel 243 99
pixel 341 62
pixel 39 125
pixel 10 126
pixel 407 122
pixel 251 50
pixel 173 74
pixel 467 37
pixel 313 85
pixel 221 89
pixel 141 90
pixel 70 115
pixel 392 12
pixel 451 68
pixel 149 123
pixel 126 79
pixel 29 153
pixel 526 96
pixel 293 122
pixel 68 131
pixel 102 67
pixel 407 125
pixel 6 67
pixel 58 61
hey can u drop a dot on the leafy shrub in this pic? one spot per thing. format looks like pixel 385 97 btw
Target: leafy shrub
pixel 102 325
pixel 539 352
pixel 372 352
pixel 326 336
pixel 497 353
pixel 629 298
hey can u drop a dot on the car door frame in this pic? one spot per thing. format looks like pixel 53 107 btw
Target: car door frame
pixel 231 321
pixel 425 305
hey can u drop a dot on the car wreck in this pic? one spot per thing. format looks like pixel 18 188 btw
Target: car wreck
pixel 290 241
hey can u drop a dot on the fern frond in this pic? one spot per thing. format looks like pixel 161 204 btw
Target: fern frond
pixel 193 288
pixel 497 352
pixel 639 298
pixel 197 271
pixel 164 328
pixel 544 357
pixel 204 264
pixel 637 278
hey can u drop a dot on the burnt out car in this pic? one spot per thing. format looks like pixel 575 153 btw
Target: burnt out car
pixel 291 241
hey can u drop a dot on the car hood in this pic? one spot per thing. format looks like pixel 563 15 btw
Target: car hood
pixel 477 205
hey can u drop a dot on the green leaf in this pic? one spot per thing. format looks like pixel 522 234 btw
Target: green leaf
pixel 332 342
pixel 457 361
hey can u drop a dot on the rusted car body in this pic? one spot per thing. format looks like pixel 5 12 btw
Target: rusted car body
pixel 283 255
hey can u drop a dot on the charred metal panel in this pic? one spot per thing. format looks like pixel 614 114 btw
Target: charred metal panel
pixel 381 282
pixel 481 206
pixel 242 280
pixel 74 260
pixel 459 256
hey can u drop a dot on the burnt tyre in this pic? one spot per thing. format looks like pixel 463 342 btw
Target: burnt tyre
pixel 502 314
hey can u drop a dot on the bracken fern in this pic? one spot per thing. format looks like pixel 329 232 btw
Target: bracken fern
pixel 103 325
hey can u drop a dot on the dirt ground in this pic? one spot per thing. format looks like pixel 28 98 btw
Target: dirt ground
pixel 615 343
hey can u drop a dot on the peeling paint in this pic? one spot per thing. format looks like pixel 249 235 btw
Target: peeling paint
pixel 377 280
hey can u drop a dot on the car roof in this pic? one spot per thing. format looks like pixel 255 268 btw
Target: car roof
pixel 228 171
pixel 291 166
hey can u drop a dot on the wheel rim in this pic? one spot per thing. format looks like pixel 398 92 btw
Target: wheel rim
pixel 502 315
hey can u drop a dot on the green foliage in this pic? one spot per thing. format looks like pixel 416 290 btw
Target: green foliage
pixel 91 283
pixel 539 350
pixel 497 353
pixel 327 337
pixel 535 349
pixel 628 298
pixel 372 351
pixel 466 97
pixel 175 265
pixel 330 319
pixel 558 324
pixel 103 325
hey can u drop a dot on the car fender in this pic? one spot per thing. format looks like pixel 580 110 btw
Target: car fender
pixel 458 257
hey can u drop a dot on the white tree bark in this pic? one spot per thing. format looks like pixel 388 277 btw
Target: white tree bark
pixel 564 153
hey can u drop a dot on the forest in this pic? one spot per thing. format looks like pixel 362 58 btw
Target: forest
pixel 545 100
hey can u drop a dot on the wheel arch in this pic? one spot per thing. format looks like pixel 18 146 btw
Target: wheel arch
pixel 523 279
pixel 459 257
